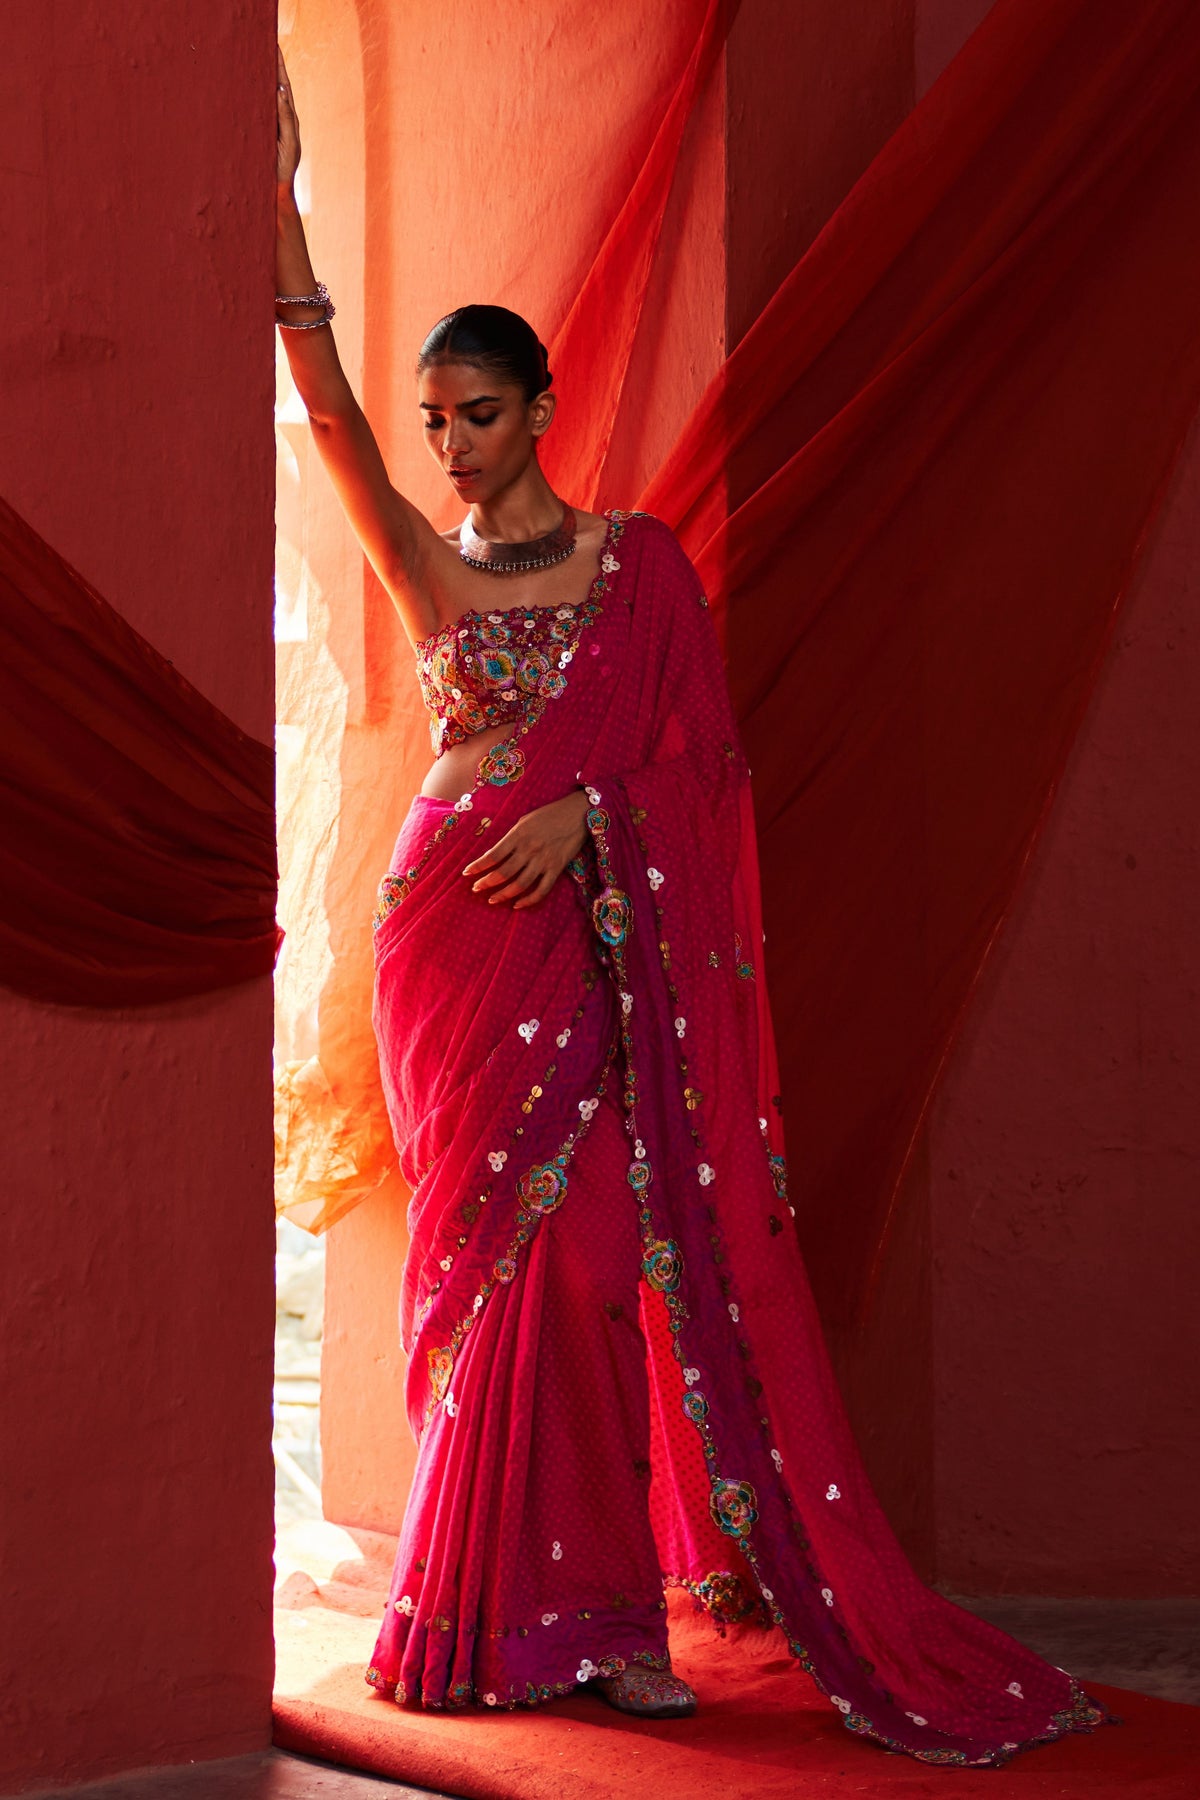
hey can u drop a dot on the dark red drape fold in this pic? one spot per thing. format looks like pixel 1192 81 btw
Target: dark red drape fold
pixel 137 859
pixel 916 492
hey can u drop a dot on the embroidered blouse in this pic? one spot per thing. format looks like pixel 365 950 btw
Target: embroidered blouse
pixel 486 668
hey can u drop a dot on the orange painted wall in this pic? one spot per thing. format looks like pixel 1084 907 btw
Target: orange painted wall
pixel 137 1252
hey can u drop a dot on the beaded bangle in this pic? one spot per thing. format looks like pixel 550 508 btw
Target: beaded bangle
pixel 320 298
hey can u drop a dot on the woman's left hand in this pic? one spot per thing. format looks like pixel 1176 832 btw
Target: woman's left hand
pixel 531 856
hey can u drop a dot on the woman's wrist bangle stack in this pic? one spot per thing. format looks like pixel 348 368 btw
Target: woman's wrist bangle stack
pixel 320 298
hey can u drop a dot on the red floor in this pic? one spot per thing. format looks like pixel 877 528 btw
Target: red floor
pixel 761 1730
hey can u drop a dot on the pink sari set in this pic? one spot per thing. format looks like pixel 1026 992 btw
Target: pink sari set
pixel 616 1372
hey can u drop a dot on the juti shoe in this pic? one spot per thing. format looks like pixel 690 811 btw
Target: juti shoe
pixel 651 1693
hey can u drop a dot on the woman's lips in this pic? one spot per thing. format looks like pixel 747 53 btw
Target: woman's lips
pixel 461 477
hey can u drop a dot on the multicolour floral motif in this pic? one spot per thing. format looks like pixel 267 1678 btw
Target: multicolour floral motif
pixel 544 1188
pixel 723 1594
pixel 734 1507
pixel 483 669
pixel 503 763
pixel 441 1367
pixel 662 1265
pixel 612 915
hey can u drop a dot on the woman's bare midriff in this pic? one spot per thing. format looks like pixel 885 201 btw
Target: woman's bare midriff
pixel 453 774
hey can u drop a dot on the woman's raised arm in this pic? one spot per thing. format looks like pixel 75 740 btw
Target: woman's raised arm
pixel 404 549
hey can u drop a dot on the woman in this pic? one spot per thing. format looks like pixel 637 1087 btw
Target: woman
pixel 616 1375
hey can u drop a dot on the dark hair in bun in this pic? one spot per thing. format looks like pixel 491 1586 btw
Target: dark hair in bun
pixel 493 339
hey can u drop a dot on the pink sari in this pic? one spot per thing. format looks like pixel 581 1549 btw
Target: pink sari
pixel 583 1095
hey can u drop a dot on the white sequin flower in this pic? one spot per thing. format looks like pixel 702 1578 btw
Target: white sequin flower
pixel 565 658
pixel 734 1314
pixel 497 1158
pixel 626 1003
pixel 691 1376
pixel 1014 1687
pixel 451 1405
pixel 656 878
pixel 916 1718
pixel 639 1149
pixel 549 1618
pixel 833 1491
pixel 527 1030
pixel 463 804
pixel 680 1026
pixel 707 1173
pixel 586 1669
pixel 563 1038
pixel 445 1262
pixel 404 1605
pixel 777 1460
pixel 565 612
pixel 593 795
pixel 609 563
pixel 489 1699
pixel 766 1593
pixel 842 1705
pixel 588 1107
pixel 477 1303
pixel 827 1596
pixel 556 1551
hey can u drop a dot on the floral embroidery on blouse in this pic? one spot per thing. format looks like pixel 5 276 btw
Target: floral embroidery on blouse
pixel 485 668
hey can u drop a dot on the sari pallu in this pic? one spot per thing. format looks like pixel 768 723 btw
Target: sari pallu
pixel 643 972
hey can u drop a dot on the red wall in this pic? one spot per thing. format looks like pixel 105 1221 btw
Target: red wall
pixel 135 1546
pixel 1063 1155
pixel 1060 1164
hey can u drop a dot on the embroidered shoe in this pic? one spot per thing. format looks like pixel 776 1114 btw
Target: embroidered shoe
pixel 649 1693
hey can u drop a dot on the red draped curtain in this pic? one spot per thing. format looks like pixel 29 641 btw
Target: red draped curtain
pixel 916 491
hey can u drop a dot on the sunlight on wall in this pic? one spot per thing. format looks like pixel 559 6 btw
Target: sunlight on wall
pixel 332 1147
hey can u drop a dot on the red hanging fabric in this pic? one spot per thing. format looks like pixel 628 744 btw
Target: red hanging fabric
pixel 916 491
pixel 137 860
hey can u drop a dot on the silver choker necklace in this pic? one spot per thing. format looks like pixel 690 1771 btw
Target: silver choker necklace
pixel 507 559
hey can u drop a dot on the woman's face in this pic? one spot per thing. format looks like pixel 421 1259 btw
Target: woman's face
pixel 481 432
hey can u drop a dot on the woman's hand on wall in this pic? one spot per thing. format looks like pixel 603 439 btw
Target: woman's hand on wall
pixel 530 857
pixel 287 135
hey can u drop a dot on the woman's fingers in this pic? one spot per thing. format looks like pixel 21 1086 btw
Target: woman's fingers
pixel 505 857
pixel 539 892
pixel 488 859
pixel 502 870
pixel 515 884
